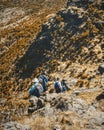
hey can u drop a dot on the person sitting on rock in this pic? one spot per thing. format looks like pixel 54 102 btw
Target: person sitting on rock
pixel 43 79
pixel 58 86
pixel 36 89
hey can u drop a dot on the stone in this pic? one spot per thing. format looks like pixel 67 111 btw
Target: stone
pixel 62 105
pixel 57 127
pixel 33 101
pixel 14 126
pixel 40 103
pixel 47 111
pixel 97 120
pixel 31 110
pixel 76 92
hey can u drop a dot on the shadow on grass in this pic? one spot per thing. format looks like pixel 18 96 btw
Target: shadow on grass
pixel 34 57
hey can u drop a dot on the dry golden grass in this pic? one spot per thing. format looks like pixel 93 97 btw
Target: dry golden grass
pixel 89 96
pixel 41 123
pixel 19 39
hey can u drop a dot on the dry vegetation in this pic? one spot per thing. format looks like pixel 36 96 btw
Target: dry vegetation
pixel 16 39
pixel 17 33
pixel 78 58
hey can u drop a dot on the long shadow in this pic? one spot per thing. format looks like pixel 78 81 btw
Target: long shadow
pixel 34 57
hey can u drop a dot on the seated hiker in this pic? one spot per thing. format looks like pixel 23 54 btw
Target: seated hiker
pixel 63 83
pixel 58 86
pixel 43 79
pixel 36 89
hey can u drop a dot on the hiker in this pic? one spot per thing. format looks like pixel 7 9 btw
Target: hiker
pixel 36 89
pixel 58 86
pixel 43 79
pixel 64 86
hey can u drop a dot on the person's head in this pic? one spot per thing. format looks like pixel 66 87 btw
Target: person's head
pixel 57 78
pixel 35 80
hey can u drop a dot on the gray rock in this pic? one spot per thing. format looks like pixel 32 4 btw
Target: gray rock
pixel 97 120
pixel 50 97
pixel 33 101
pixel 62 105
pixel 33 105
pixel 31 110
pixel 76 92
pixel 40 103
pixel 47 111
pixel 91 109
pixel 57 127
pixel 14 126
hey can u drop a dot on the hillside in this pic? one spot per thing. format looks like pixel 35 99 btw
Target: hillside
pixel 67 40
pixel 20 22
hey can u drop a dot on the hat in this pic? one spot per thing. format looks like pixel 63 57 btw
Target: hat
pixel 35 80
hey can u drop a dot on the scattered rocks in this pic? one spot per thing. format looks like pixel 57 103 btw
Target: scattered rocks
pixel 57 127
pixel 35 104
pixel 14 126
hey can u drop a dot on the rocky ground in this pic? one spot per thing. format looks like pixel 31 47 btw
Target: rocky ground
pixel 69 45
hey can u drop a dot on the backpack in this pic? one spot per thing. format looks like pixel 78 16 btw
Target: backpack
pixel 31 90
pixel 57 87
pixel 39 88
pixel 36 90
pixel 44 82
pixel 44 78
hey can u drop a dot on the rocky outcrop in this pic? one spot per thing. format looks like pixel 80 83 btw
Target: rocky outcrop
pixel 65 110
pixel 35 104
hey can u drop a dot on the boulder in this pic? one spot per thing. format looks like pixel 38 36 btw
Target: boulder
pixel 33 101
pixel 62 105
pixel 31 110
pixel 47 112
pixel 40 103
pixel 57 127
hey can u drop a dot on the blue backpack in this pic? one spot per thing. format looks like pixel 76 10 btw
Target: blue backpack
pixel 31 90
pixel 44 78
pixel 44 82
pixel 36 90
